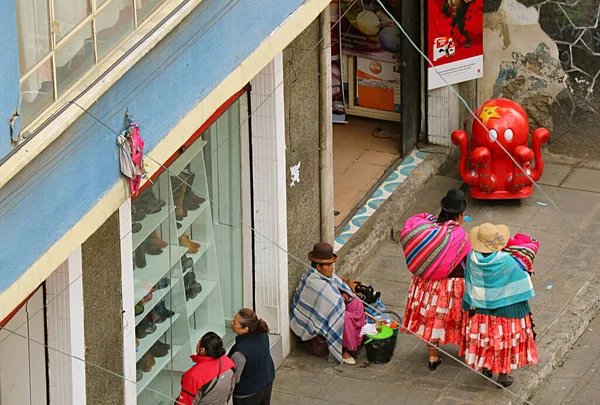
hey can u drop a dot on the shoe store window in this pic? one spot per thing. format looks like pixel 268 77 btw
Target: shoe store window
pixel 188 255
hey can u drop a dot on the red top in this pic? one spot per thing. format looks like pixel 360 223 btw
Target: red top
pixel 204 371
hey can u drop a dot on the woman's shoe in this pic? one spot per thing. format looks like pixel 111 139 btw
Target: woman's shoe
pixel 140 257
pixel 136 227
pixel 151 249
pixel 487 373
pixel 158 242
pixel 349 360
pixel 508 382
pixel 137 213
pixel 433 365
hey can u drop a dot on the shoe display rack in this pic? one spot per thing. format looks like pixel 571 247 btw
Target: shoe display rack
pixel 176 275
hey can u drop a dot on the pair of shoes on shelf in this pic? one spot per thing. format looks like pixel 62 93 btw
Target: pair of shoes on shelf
pixel 161 309
pixel 159 350
pixel 148 198
pixel 144 329
pixel 192 246
pixel 192 287
pixel 186 263
pixel 136 227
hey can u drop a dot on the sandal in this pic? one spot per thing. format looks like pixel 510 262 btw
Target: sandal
pixel 508 383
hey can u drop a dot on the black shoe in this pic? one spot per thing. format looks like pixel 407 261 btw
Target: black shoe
pixel 140 257
pixel 137 213
pixel 151 199
pixel 187 263
pixel 487 373
pixel 148 208
pixel 164 283
pixel 151 249
pixel 433 365
pixel 163 310
pixel 179 225
pixel 136 227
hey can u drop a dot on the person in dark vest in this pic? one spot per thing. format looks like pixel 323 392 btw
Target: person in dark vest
pixel 255 370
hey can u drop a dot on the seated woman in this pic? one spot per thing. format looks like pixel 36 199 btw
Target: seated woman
pixel 325 308
pixel 499 332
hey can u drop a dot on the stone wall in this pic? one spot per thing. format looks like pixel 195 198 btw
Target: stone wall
pixel 546 55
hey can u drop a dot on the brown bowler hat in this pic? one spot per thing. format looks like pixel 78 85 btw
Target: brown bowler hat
pixel 322 253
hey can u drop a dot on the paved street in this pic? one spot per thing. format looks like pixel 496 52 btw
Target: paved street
pixel 577 380
pixel 564 269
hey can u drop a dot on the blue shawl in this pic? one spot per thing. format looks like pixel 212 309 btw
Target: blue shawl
pixel 495 281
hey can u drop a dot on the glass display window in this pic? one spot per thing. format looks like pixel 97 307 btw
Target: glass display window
pixel 187 241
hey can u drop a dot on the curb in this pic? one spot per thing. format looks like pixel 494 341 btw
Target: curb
pixel 558 338
pixel 360 250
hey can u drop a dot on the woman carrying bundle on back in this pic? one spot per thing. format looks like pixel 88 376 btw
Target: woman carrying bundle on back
pixel 434 248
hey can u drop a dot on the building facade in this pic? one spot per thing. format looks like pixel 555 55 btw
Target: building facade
pixel 104 294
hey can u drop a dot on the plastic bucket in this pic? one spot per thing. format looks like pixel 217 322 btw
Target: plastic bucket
pixel 380 347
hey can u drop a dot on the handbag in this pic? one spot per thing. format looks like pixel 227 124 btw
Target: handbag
pixel 206 388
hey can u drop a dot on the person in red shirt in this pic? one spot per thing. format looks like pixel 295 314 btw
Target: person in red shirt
pixel 212 379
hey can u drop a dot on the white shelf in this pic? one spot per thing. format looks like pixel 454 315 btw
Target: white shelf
pixel 157 296
pixel 198 255
pixel 197 334
pixel 149 224
pixel 207 288
pixel 191 217
pixel 156 268
pixel 186 157
pixel 161 363
pixel 147 342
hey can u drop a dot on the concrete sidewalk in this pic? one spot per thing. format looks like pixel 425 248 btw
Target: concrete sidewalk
pixel 567 283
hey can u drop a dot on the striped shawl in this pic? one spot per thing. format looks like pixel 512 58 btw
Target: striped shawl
pixel 523 249
pixel 318 310
pixel 433 250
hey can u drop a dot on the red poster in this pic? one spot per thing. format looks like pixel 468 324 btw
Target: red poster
pixel 454 41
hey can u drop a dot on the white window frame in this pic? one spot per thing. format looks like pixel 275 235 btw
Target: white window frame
pixel 55 47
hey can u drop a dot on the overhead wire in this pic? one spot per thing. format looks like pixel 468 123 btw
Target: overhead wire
pixel 300 260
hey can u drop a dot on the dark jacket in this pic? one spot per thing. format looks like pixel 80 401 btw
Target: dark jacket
pixel 198 380
pixel 259 370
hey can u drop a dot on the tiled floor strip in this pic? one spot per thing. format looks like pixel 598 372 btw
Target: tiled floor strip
pixel 397 177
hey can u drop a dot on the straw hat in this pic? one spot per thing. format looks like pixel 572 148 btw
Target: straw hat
pixel 322 253
pixel 488 238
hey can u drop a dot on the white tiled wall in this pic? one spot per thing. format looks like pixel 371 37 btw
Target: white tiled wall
pixel 269 180
pixel 442 115
pixel 64 297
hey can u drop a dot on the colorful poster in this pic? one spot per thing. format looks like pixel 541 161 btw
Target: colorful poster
pixel 368 31
pixel 454 41
pixel 337 90
pixel 378 85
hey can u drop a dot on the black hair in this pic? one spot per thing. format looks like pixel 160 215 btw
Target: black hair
pixel 446 216
pixel 213 344
pixel 251 321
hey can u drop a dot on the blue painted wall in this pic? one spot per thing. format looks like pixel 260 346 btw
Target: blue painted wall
pixel 9 72
pixel 61 185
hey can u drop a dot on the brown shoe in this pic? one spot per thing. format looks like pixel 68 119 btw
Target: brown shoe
pixel 157 241
pixel 146 363
pixel 185 241
pixel 158 351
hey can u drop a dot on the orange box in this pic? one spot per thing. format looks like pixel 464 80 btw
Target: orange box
pixel 377 85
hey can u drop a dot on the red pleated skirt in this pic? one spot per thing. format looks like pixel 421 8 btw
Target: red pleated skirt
pixel 497 343
pixel 434 310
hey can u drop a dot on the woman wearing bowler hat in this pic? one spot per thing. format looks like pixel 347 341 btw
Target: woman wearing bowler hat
pixel 325 313
pixel 435 249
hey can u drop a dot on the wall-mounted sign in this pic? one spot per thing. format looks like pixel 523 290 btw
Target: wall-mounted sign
pixel 454 41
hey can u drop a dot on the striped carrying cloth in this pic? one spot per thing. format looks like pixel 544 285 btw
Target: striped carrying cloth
pixel 433 250
pixel 523 249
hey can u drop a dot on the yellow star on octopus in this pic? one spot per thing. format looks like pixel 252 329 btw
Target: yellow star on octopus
pixel 489 112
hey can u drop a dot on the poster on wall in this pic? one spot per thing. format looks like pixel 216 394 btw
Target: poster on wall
pixel 454 41
pixel 337 90
pixel 367 31
pixel 378 85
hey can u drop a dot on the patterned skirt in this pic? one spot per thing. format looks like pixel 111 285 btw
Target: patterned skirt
pixel 498 344
pixel 434 310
